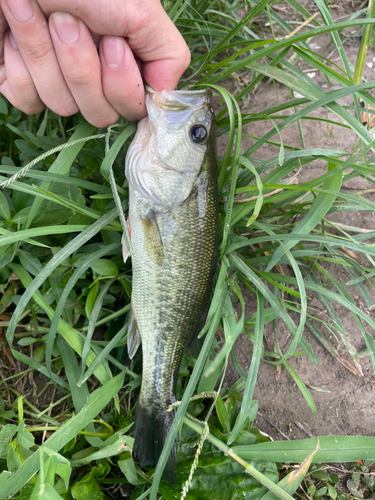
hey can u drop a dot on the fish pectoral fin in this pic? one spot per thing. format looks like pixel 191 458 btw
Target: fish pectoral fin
pixel 153 242
pixel 134 337
pixel 125 250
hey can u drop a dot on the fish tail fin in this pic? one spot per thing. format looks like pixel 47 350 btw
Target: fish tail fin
pixel 151 427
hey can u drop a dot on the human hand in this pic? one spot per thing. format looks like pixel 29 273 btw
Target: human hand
pixel 48 56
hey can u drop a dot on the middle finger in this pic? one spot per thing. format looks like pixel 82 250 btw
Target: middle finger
pixel 79 62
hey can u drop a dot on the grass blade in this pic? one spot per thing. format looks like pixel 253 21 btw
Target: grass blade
pixel 331 449
pixel 76 243
pixel 92 321
pixel 318 210
pixel 81 268
pixel 253 370
pixel 301 386
pixel 326 15
pixel 103 354
pixel 107 172
pixel 79 394
pixel 61 165
pixel 72 336
pixel 25 234
pixel 274 488
pixel 95 404
pixel 291 482
pixel 50 176
pixel 365 43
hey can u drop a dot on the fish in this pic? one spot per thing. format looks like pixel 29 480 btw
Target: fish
pixel 173 218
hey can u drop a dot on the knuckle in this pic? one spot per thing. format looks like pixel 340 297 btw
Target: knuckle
pixel 24 87
pixel 23 96
pixel 31 108
pixel 140 16
pixel 35 109
pixel 65 109
pixel 103 122
pixel 81 77
pixel 40 53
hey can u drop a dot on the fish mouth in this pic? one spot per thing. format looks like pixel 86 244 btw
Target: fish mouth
pixel 178 100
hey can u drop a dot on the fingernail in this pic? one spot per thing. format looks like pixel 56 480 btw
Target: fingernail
pixel 66 26
pixel 13 41
pixel 113 50
pixel 22 10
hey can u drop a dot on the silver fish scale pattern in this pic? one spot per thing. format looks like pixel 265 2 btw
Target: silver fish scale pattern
pixel 169 299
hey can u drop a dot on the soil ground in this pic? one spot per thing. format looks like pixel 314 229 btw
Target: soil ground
pixel 347 407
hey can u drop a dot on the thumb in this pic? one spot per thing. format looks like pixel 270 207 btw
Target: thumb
pixel 164 73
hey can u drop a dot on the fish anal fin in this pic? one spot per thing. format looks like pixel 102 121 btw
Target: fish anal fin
pixel 134 337
pixel 153 242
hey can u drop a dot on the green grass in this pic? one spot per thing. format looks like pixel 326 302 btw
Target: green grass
pixel 65 291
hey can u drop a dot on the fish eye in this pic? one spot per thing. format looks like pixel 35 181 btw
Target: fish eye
pixel 198 134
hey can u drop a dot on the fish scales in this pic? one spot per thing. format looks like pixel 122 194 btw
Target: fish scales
pixel 173 225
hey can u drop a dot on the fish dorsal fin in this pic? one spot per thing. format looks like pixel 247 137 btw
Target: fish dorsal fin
pixel 134 337
pixel 153 242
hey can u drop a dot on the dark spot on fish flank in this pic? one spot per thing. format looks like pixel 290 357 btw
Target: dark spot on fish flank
pixel 140 103
pixel 138 85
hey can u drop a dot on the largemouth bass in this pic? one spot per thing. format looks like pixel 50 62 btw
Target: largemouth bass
pixel 171 169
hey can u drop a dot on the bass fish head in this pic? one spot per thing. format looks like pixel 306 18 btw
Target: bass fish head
pixel 180 124
pixel 170 147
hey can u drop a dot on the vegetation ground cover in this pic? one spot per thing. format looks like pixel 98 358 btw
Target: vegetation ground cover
pixel 67 406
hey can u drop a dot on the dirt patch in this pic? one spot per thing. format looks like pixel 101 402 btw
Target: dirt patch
pixel 344 400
